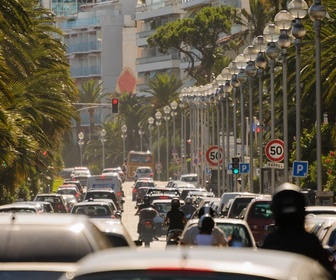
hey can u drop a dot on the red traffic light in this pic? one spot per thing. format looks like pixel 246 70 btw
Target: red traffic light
pixel 115 103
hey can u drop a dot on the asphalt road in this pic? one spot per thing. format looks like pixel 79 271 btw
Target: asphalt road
pixel 131 221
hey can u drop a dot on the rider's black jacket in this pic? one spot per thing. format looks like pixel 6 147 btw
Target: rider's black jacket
pixel 301 242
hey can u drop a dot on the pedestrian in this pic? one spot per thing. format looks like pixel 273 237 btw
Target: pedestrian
pixel 288 208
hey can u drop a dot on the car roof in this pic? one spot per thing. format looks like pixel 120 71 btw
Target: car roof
pixel 263 263
pixel 45 219
pixel 94 202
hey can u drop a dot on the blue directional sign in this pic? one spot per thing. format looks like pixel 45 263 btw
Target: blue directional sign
pixel 244 168
pixel 300 168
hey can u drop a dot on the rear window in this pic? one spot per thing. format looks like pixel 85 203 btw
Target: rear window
pixel 237 235
pixel 238 205
pixel 32 243
pixel 261 210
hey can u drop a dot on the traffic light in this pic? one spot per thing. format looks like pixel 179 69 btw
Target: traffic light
pixel 235 165
pixel 115 104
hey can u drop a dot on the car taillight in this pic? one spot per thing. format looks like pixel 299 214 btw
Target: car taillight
pixel 118 193
pixel 148 222
pixel 151 175
pixel 134 190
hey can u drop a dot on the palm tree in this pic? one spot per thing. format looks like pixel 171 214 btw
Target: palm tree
pixel 36 93
pixel 91 92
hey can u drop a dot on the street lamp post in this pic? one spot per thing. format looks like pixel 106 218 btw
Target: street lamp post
pixel 240 61
pixel 235 84
pixel 166 117
pixel 227 89
pixel 124 135
pixel 158 116
pixel 173 106
pixel 183 152
pixel 81 143
pixel 317 12
pixel 250 54
pixel 271 33
pixel 103 140
pixel 150 127
pixel 141 133
pixel 298 9
pixel 261 62
pixel 283 20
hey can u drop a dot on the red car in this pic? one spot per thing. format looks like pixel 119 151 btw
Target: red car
pixel 258 216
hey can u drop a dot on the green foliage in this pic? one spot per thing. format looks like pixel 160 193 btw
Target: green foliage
pixel 197 38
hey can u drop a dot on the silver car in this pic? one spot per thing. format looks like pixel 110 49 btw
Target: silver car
pixel 44 246
pixel 180 263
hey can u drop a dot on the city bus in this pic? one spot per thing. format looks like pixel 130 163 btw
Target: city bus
pixel 136 159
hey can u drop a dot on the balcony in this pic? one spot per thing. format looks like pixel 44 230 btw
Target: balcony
pixel 87 47
pixel 188 4
pixel 86 72
pixel 81 23
pixel 158 9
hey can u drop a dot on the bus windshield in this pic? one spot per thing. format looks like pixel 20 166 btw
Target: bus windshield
pixel 136 159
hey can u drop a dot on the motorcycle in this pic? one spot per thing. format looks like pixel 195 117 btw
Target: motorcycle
pixel 173 237
pixel 147 229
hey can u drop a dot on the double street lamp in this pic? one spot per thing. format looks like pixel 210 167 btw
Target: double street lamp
pixel 81 143
pixel 158 117
pixel 150 128
pixel 141 133
pixel 123 136
pixel 103 140
pixel 166 117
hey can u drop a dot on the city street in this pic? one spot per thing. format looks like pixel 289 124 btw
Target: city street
pixel 131 221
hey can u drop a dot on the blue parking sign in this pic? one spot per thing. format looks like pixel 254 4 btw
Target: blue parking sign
pixel 244 168
pixel 300 168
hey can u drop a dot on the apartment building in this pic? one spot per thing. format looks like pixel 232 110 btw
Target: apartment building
pixel 100 40
pixel 151 14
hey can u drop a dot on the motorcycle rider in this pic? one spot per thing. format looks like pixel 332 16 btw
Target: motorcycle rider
pixel 288 207
pixel 206 225
pixel 188 208
pixel 144 214
pixel 176 217
pixel 189 236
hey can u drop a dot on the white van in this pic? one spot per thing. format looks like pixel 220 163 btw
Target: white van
pixel 106 181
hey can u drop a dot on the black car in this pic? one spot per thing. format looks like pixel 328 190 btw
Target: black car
pixel 104 194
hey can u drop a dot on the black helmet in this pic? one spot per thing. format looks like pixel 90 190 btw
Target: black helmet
pixel 188 200
pixel 288 206
pixel 146 199
pixel 175 203
pixel 206 223
pixel 206 209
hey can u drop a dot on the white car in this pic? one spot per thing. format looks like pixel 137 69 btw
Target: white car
pixel 197 263
pixel 190 178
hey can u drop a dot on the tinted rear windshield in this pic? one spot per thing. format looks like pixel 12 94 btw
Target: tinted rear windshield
pixel 32 243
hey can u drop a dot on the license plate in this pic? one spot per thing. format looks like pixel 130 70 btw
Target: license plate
pixel 148 226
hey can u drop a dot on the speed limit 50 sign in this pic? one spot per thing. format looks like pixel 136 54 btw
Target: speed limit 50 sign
pixel 214 155
pixel 274 150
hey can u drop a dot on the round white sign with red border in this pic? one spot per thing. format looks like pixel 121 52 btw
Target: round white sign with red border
pixel 214 155
pixel 274 150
